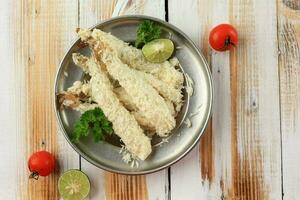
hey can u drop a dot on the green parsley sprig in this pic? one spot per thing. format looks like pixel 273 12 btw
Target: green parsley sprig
pixel 92 122
pixel 146 32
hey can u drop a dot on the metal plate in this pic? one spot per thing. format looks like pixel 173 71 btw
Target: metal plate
pixel 106 155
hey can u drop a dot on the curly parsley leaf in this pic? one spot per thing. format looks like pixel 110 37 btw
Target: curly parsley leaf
pixel 92 122
pixel 146 32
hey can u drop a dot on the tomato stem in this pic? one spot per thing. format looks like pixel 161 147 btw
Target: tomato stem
pixel 228 42
pixel 34 175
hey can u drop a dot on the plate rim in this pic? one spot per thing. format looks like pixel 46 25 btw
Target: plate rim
pixel 201 131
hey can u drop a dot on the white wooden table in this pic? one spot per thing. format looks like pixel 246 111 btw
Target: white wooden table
pixel 251 149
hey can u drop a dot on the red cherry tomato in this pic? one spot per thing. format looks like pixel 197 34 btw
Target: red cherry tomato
pixel 223 37
pixel 41 163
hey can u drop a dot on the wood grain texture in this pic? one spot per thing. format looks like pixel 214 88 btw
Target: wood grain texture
pixel 208 165
pixel 240 153
pixel 258 117
pixel 289 71
pixel 107 185
pixel 94 11
pixel 10 118
pixel 239 157
pixel 90 13
pixel 125 187
pixel 145 7
pixel 40 35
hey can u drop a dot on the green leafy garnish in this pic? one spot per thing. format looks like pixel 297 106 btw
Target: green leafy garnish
pixel 146 32
pixel 92 122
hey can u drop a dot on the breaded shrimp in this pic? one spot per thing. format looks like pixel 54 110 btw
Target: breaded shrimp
pixel 134 58
pixel 124 123
pixel 144 96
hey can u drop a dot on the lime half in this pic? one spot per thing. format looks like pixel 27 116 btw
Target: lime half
pixel 73 185
pixel 158 50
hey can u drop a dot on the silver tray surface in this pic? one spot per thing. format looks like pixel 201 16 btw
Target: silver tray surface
pixel 197 108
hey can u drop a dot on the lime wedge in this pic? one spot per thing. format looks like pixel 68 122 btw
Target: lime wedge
pixel 73 185
pixel 158 50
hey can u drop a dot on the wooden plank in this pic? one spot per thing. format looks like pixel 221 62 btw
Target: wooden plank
pixel 90 13
pixel 239 156
pixel 113 186
pixel 10 109
pixel 94 11
pixel 205 166
pixel 39 35
pixel 144 7
pixel 258 148
pixel 109 185
pixel 289 62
